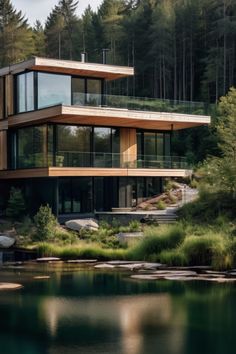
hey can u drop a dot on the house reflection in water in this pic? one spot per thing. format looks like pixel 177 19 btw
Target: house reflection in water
pixel 132 316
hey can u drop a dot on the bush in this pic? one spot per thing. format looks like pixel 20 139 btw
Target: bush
pixel 156 240
pixel 16 204
pixel 134 225
pixel 173 257
pixel 45 223
pixel 161 205
pixel 204 250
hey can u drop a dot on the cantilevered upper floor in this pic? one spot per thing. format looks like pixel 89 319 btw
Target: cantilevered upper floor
pixel 43 90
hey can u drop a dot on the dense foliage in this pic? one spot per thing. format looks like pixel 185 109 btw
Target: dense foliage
pixel 181 50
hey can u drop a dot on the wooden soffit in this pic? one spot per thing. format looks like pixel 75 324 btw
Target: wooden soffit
pixel 101 116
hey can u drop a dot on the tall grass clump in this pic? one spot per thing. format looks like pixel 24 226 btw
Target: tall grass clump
pixel 157 239
pixel 79 252
pixel 208 250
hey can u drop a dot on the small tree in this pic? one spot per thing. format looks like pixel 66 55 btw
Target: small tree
pixel 16 204
pixel 45 223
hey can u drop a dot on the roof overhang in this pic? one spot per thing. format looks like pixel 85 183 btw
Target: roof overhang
pixel 104 116
pixel 92 171
pixel 103 71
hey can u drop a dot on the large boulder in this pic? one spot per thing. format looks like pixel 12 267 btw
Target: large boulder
pixel 85 224
pixel 6 242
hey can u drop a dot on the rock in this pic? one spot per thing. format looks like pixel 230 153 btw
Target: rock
pixel 39 277
pixel 151 266
pixel 10 286
pixel 143 277
pixel 103 265
pixel 129 235
pixel 48 259
pixel 171 273
pixel 85 224
pixel 6 242
pixel 117 263
pixel 82 261
pixel 134 266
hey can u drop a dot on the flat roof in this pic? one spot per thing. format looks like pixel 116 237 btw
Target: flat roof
pixel 103 71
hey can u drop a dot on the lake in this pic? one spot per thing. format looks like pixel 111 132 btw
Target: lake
pixel 82 310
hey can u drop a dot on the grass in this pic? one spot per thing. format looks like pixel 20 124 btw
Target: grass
pixel 182 244
pixel 156 239
pixel 83 251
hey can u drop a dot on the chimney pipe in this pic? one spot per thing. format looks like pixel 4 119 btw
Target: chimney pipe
pixel 104 55
pixel 83 57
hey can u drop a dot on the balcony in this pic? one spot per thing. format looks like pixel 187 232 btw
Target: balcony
pixel 141 104
pixel 103 160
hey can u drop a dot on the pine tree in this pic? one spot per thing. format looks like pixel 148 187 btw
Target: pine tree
pixel 39 39
pixel 61 30
pixel 16 204
pixel 16 38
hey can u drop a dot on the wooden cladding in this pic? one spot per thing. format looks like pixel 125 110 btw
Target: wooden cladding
pixel 3 150
pixel 93 172
pixel 9 92
pixel 128 145
pixel 2 98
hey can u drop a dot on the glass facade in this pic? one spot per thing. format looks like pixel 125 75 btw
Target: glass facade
pixel 36 90
pixel 86 194
pixel 154 149
pixel 75 195
pixel 73 145
pixel 29 147
pixel 53 89
pixel 25 92
pixel 64 146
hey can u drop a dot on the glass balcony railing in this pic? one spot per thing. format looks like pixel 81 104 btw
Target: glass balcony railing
pixel 113 160
pixel 142 104
pixel 100 160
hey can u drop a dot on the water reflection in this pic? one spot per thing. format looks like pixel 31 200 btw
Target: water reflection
pixel 87 312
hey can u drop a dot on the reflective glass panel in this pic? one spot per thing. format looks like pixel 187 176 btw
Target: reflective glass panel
pixel 73 146
pixel 94 90
pixel 25 92
pixel 32 148
pixel 53 89
pixel 78 91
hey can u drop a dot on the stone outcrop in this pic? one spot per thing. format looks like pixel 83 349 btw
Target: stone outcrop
pixel 82 224
pixel 6 241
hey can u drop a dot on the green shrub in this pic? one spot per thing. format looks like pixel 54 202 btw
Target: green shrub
pixel 203 250
pixel 16 204
pixel 161 205
pixel 134 225
pixel 156 240
pixel 65 236
pixel 45 223
pixel 173 257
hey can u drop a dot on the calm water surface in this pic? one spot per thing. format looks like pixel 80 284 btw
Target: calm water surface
pixel 80 310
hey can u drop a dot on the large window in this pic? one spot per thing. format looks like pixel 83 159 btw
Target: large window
pixel 53 89
pixel 86 91
pixel 73 146
pixel 64 146
pixel 154 149
pixel 106 145
pixel 75 195
pixel 36 90
pixel 31 147
pixel 25 92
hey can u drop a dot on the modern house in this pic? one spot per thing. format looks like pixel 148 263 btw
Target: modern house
pixel 67 143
